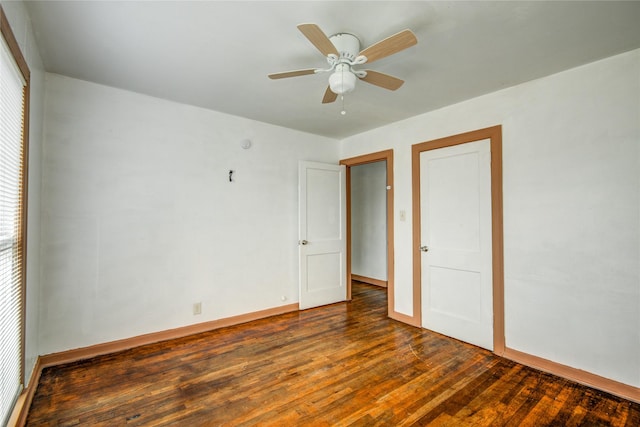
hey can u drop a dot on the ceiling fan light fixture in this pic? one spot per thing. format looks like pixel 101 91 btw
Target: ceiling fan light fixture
pixel 342 81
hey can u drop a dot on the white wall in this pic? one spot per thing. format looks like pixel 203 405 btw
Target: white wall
pixel 141 221
pixel 22 30
pixel 571 210
pixel 369 220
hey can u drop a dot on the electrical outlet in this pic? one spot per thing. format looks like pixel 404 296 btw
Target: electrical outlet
pixel 197 308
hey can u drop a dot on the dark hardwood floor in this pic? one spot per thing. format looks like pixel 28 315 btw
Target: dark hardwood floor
pixel 346 364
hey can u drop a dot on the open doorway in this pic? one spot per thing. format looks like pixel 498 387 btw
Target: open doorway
pixel 369 223
pixel 361 266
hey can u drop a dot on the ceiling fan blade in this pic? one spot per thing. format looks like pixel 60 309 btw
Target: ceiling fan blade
pixel 318 38
pixel 383 80
pixel 329 96
pixel 294 73
pixel 390 45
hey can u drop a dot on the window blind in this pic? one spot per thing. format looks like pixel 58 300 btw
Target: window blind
pixel 12 102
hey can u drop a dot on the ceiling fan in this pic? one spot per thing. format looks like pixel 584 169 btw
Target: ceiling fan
pixel 342 51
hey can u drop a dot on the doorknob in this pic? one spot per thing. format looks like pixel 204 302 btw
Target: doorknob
pixel 303 242
pixel 424 248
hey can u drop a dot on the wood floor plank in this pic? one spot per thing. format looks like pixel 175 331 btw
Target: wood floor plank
pixel 345 364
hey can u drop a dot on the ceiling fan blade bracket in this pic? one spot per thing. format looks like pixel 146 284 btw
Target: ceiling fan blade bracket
pixel 359 60
pixel 325 70
pixel 333 59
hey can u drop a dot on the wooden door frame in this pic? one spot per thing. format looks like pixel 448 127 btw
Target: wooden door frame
pixel 386 155
pixel 494 134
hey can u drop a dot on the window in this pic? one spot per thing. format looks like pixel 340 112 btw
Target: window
pixel 14 91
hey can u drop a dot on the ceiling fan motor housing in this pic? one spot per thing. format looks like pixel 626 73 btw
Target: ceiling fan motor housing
pixel 347 45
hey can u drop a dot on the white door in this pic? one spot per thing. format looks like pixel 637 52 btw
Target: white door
pixel 322 240
pixel 456 264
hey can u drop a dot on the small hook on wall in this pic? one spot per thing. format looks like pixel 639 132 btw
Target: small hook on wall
pixel 230 175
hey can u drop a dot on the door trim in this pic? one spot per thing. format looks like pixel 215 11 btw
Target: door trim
pixel 386 155
pixel 494 134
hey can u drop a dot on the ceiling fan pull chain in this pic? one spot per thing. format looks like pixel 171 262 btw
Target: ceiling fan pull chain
pixel 343 112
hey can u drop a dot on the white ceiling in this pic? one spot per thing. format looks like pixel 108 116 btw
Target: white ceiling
pixel 217 54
